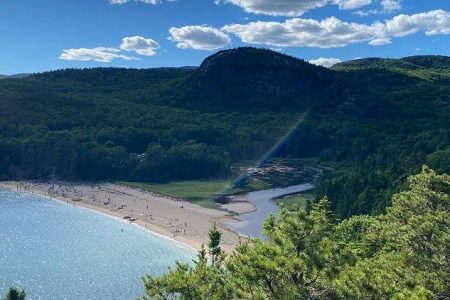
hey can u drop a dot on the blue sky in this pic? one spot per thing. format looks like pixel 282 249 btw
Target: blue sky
pixel 45 35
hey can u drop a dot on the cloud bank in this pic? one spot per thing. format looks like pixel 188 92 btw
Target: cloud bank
pixel 333 32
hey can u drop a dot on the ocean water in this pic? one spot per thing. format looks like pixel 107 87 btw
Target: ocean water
pixel 57 251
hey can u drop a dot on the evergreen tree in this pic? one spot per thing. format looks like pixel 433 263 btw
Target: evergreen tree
pixel 15 294
pixel 402 254
pixel 214 244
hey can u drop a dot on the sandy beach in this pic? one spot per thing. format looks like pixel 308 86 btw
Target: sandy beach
pixel 176 219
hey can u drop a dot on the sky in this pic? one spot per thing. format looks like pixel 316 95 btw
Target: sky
pixel 43 35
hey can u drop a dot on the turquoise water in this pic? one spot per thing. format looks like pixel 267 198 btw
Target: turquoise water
pixel 57 251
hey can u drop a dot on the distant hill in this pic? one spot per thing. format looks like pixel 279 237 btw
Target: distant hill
pixel 16 76
pixel 430 62
pixel 369 123
pixel 432 67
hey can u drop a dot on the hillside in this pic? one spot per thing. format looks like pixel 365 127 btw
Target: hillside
pixel 369 123
pixel 431 67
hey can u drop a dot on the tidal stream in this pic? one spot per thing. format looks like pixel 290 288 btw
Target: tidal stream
pixel 251 223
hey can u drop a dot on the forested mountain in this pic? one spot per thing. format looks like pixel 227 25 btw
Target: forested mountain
pixel 370 122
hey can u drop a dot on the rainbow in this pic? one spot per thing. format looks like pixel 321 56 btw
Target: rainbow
pixel 271 152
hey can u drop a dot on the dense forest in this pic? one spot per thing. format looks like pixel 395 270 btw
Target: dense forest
pixel 370 123
pixel 309 254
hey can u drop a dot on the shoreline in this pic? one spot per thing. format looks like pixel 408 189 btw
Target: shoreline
pixel 160 215
pixel 116 218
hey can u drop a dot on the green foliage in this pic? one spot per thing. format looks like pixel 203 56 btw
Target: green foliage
pixel 296 201
pixel 15 294
pixel 440 160
pixel 214 245
pixel 201 281
pixel 402 254
pixel 406 250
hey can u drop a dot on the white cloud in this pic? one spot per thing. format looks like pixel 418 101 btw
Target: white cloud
pixel 391 5
pixel 142 46
pixel 292 8
pixel 351 4
pixel 288 8
pixel 332 32
pixel 366 13
pixel 99 54
pixel 325 61
pixel 386 7
pixel 280 50
pixel 328 33
pixel 199 37
pixel 380 42
pixel 434 22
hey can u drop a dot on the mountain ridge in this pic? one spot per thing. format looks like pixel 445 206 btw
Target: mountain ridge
pixel 425 67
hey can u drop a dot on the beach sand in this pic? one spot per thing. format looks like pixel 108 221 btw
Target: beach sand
pixel 176 219
pixel 239 206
